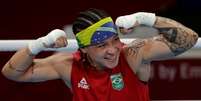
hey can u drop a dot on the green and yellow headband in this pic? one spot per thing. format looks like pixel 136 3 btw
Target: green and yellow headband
pixel 96 33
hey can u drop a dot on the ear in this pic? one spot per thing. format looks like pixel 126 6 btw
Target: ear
pixel 84 50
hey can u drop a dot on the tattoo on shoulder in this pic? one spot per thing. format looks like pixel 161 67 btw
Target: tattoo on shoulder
pixel 133 48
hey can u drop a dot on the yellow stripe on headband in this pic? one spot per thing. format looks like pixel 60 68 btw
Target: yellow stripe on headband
pixel 84 36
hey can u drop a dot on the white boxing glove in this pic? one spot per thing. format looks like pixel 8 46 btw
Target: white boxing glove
pixel 129 21
pixel 40 44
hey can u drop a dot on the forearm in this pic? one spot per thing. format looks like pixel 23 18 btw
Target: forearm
pixel 18 64
pixel 178 37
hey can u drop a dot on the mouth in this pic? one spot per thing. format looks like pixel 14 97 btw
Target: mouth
pixel 112 59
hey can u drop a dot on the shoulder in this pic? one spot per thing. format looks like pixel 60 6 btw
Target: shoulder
pixel 61 61
pixel 61 57
pixel 134 47
pixel 134 52
pixel 142 47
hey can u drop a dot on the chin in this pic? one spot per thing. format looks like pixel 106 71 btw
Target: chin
pixel 112 65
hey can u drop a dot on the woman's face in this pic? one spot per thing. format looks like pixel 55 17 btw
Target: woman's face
pixel 105 54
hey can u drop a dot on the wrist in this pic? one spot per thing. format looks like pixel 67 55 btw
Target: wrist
pixel 47 41
pixel 144 18
pixel 36 46
pixel 129 21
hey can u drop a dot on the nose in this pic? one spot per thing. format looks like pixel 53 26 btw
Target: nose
pixel 111 50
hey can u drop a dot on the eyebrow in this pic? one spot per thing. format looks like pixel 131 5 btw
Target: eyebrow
pixel 113 37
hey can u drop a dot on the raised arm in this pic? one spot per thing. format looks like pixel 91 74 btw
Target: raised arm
pixel 174 38
pixel 22 66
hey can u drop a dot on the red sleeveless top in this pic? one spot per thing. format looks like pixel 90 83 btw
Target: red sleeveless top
pixel 117 84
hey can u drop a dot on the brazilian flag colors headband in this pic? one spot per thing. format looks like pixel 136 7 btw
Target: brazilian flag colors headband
pixel 96 33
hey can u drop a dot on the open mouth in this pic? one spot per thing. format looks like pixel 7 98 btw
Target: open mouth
pixel 110 59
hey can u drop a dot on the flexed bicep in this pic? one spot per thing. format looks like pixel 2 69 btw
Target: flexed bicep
pixel 173 40
pixel 175 35
pixel 39 71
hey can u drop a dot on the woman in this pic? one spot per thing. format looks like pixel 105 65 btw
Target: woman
pixel 103 69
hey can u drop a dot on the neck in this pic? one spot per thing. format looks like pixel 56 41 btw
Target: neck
pixel 94 65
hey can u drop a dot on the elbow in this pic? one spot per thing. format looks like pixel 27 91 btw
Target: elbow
pixel 196 37
pixel 9 75
pixel 4 73
pixel 192 40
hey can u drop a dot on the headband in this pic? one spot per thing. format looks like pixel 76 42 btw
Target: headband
pixel 96 33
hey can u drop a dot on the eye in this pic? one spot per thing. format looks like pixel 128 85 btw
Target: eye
pixel 116 38
pixel 100 45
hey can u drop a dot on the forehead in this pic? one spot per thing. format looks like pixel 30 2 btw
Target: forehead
pixel 107 40
pixel 103 33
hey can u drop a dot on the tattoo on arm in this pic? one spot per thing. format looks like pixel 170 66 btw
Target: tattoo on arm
pixel 178 37
pixel 169 33
pixel 133 47
pixel 32 72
